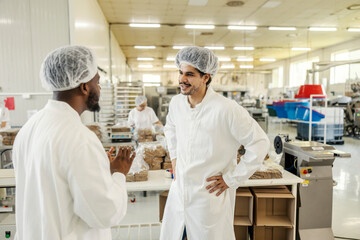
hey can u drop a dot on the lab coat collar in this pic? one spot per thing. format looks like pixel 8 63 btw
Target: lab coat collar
pixel 62 106
pixel 208 95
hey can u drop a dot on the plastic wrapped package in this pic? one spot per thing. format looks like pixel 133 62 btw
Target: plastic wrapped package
pixel 8 136
pixel 99 131
pixel 154 154
pixel 268 170
pixel 139 168
pixel 144 135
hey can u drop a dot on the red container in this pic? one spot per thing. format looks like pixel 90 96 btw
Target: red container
pixel 306 90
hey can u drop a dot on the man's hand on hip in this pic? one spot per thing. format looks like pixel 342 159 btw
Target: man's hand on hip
pixel 173 163
pixel 219 184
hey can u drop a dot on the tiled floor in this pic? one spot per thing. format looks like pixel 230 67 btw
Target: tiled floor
pixel 346 199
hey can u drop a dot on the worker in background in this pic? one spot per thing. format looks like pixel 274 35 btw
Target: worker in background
pixel 204 130
pixel 66 187
pixel 142 116
pixel 4 116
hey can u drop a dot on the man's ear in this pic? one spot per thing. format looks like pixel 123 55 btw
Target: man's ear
pixel 84 88
pixel 206 78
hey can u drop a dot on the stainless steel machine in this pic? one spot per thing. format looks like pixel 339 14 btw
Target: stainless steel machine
pixel 311 161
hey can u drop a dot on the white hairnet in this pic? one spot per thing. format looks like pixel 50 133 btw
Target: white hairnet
pixel 200 58
pixel 67 67
pixel 140 100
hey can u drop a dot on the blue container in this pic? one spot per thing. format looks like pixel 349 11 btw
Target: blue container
pixel 303 113
pixel 280 109
pixel 290 108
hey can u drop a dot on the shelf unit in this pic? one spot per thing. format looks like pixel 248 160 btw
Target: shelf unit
pixel 106 116
pixel 124 97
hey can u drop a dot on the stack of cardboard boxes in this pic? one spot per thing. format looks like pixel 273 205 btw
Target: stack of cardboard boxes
pixel 262 213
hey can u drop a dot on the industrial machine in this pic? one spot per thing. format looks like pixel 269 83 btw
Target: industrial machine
pixel 311 161
pixel 7 194
pixel 120 134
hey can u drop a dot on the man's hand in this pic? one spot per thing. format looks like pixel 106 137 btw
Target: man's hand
pixel 173 163
pixel 219 184
pixel 122 162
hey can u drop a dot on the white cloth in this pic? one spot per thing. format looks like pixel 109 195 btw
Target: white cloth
pixel 64 188
pixel 144 119
pixel 205 140
pixel 4 117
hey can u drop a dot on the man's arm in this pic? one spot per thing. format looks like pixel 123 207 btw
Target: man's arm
pixel 170 134
pixel 248 133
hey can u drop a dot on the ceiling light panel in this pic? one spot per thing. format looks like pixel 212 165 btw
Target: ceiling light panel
pixel 179 47
pixel 246 66
pixel 169 66
pixel 170 59
pixel 228 66
pixel 282 28
pixel 144 47
pixel 245 59
pixel 267 59
pixel 353 29
pixel 244 48
pixel 145 66
pixel 145 59
pixel 144 25
pixel 224 59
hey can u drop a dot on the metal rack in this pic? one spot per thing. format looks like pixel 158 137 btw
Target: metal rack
pixel 125 94
pixel 106 115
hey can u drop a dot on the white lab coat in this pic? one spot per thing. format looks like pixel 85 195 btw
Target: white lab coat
pixel 205 140
pixel 144 119
pixel 64 188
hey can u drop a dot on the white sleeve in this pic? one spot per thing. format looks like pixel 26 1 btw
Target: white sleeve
pixel 100 199
pixel 131 118
pixel 248 133
pixel 170 132
pixel 153 116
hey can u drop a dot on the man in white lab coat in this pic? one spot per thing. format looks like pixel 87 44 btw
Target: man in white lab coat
pixel 66 187
pixel 204 131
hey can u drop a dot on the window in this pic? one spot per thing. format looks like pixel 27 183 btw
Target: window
pixel 298 71
pixel 277 78
pixel 151 79
pixel 341 73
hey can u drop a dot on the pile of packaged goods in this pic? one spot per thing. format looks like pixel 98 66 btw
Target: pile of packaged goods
pixel 145 135
pixel 96 129
pixel 8 136
pixel 167 161
pixel 137 177
pixel 154 156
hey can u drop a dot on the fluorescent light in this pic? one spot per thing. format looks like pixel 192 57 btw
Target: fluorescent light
pixel 322 29
pixel 145 47
pixel 179 47
pixel 242 27
pixel 228 66
pixel 170 59
pixel 300 49
pixel 144 25
pixel 215 48
pixel 200 26
pixel 82 25
pixel 282 28
pixel 267 59
pixel 8 21
pixel 224 59
pixel 353 29
pixel 246 66
pixel 169 66
pixel 245 59
pixel 145 59
pixel 145 66
pixel 244 48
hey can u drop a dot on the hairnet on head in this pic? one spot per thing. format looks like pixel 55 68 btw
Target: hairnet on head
pixel 67 67
pixel 140 100
pixel 201 58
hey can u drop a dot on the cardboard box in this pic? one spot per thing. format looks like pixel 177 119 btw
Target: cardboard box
pixel 155 166
pixel 273 233
pixel 241 232
pixel 243 215
pixel 157 160
pixel 274 207
pixel 162 202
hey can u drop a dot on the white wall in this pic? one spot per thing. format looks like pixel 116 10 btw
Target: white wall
pixel 29 29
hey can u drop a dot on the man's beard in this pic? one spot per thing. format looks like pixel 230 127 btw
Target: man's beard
pixel 191 92
pixel 93 102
